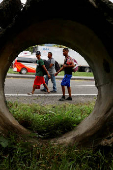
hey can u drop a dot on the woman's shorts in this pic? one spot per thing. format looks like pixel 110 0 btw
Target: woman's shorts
pixel 66 80
pixel 39 80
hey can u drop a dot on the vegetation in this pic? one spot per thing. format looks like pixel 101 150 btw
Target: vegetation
pixel 50 121
pixel 82 74
pixel 89 74
pixel 10 71
pixel 34 48
pixel 21 155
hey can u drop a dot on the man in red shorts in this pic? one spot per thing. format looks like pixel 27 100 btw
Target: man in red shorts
pixel 39 79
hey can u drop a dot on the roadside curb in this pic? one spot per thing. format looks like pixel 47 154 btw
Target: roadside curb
pixel 49 95
pixel 57 77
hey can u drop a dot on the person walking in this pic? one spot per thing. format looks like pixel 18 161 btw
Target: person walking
pixel 39 79
pixel 51 71
pixel 67 67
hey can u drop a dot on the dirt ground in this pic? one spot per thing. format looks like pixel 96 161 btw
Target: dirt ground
pixel 50 100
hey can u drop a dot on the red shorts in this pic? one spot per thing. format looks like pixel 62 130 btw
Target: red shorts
pixel 39 80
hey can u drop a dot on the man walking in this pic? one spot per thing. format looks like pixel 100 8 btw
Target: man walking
pixel 39 79
pixel 51 71
pixel 67 67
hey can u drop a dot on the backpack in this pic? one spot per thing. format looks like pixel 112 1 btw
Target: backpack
pixel 46 63
pixel 74 69
pixel 57 67
pixel 69 60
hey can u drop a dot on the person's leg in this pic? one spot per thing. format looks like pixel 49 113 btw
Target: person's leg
pixel 54 82
pixel 34 87
pixel 46 87
pixel 63 90
pixel 69 91
pixel 46 81
pixel 69 88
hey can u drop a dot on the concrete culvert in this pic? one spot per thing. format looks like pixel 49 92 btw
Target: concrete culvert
pixel 87 28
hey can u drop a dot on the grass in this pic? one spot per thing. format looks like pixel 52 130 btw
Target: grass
pixel 14 72
pixel 83 74
pixel 90 74
pixel 50 121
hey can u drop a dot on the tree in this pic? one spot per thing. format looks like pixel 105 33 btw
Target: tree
pixel 60 46
pixel 8 11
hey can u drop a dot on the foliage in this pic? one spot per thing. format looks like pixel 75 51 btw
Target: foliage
pixel 82 74
pixel 17 154
pixel 59 46
pixel 89 74
pixel 10 71
pixel 32 49
pixel 49 121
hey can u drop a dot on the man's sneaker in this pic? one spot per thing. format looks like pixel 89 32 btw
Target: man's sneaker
pixel 69 98
pixel 62 98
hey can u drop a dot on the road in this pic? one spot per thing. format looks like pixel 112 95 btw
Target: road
pixel 16 89
pixel 24 85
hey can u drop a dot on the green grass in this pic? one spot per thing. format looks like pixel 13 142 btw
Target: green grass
pixel 83 74
pixel 21 155
pixel 90 74
pixel 50 121
pixel 14 72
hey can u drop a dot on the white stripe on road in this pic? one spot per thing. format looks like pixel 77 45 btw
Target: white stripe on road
pixel 36 95
pixel 86 85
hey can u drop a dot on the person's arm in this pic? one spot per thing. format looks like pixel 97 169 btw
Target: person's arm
pixel 46 71
pixel 51 65
pixel 69 66
pixel 59 71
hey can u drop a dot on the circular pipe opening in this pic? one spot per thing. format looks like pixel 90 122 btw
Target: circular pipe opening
pixel 71 34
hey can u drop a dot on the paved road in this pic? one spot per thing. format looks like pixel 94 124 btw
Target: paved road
pixel 24 85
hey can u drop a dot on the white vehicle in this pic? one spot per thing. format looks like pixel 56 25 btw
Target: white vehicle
pixel 58 56
pixel 25 62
